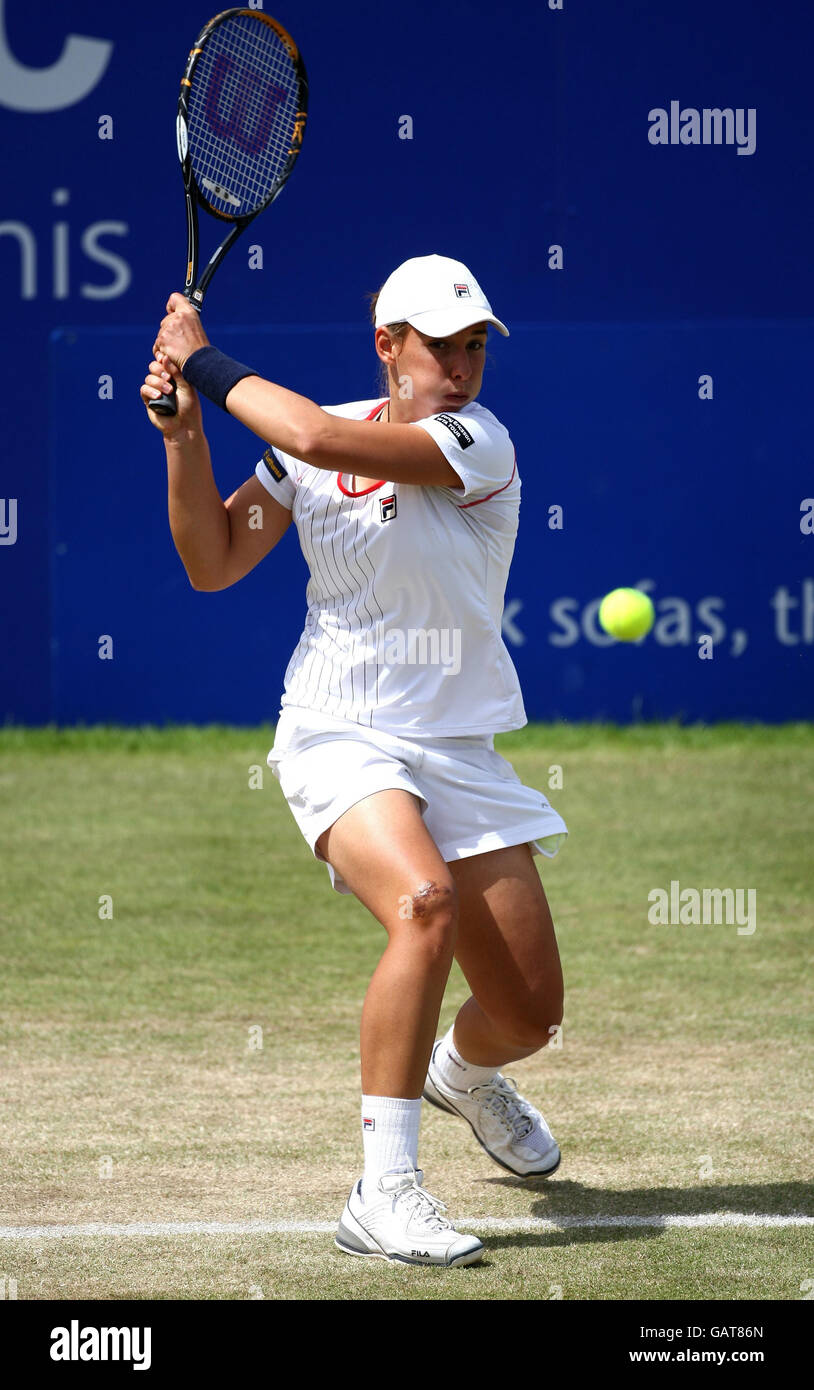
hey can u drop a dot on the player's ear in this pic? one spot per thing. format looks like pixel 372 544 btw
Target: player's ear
pixel 383 344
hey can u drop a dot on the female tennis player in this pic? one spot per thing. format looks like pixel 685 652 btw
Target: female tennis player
pixel 406 509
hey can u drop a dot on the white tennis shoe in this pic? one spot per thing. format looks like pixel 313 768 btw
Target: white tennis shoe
pixel 401 1221
pixel 511 1131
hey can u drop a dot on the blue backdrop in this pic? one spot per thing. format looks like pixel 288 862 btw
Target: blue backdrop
pixel 656 383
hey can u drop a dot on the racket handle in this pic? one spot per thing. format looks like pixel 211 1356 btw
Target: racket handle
pixel 168 405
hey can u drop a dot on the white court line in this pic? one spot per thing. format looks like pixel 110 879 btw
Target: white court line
pixel 487 1223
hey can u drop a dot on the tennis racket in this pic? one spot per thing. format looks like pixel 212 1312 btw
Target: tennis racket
pixel 241 120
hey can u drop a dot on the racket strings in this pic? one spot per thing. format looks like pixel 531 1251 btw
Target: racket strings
pixel 243 106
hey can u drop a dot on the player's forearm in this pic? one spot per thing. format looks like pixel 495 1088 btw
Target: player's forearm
pixel 280 417
pixel 199 521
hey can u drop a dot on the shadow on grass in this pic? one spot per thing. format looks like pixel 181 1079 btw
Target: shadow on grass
pixel 646 1208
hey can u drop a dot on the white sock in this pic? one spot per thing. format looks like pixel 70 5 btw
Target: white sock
pixel 455 1071
pixel 390 1137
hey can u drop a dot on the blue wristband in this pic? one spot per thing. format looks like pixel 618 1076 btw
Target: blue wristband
pixel 214 374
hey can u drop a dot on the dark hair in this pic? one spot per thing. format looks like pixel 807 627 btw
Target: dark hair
pixel 397 331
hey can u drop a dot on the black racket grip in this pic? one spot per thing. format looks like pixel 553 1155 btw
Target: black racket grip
pixel 168 405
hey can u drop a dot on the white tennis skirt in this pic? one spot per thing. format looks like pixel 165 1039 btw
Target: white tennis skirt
pixel 471 799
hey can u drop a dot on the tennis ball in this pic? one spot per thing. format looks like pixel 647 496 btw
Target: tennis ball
pixel 627 614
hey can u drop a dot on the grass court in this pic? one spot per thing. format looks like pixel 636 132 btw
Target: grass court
pixel 193 1058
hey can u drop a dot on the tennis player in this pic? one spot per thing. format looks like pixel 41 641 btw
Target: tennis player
pixel 407 510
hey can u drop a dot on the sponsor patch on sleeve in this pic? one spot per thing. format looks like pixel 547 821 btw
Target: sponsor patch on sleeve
pixel 274 466
pixel 455 427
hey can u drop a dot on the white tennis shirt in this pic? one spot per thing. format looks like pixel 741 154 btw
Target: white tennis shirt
pixel 405 599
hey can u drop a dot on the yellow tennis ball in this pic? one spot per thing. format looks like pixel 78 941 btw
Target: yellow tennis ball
pixel 627 614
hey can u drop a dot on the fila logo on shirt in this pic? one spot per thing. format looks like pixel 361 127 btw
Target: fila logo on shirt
pixel 387 507
pixel 462 291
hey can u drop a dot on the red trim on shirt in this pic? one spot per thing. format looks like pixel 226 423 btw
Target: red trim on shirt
pixel 340 476
pixel 478 500
pixel 365 490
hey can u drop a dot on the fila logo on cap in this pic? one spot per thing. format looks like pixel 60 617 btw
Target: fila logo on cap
pixel 462 291
pixel 387 508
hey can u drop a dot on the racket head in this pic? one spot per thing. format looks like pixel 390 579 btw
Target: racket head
pixel 241 114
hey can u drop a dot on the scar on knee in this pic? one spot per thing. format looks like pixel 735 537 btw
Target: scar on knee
pixel 425 896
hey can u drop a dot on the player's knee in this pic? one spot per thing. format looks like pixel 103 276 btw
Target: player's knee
pixel 546 1014
pixel 537 1024
pixel 533 1037
pixel 550 1026
pixel 433 909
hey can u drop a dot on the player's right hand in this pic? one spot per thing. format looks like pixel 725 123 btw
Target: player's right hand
pixel 156 384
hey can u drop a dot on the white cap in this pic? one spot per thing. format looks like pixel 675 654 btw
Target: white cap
pixel 436 295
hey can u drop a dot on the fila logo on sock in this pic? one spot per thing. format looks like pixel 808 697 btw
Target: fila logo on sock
pixel 368 1124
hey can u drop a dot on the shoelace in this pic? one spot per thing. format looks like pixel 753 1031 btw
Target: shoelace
pixel 422 1204
pixel 501 1097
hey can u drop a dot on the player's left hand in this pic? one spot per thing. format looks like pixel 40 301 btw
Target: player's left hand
pixel 181 332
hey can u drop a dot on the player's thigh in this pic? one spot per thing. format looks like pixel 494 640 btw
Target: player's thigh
pixel 506 946
pixel 387 857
